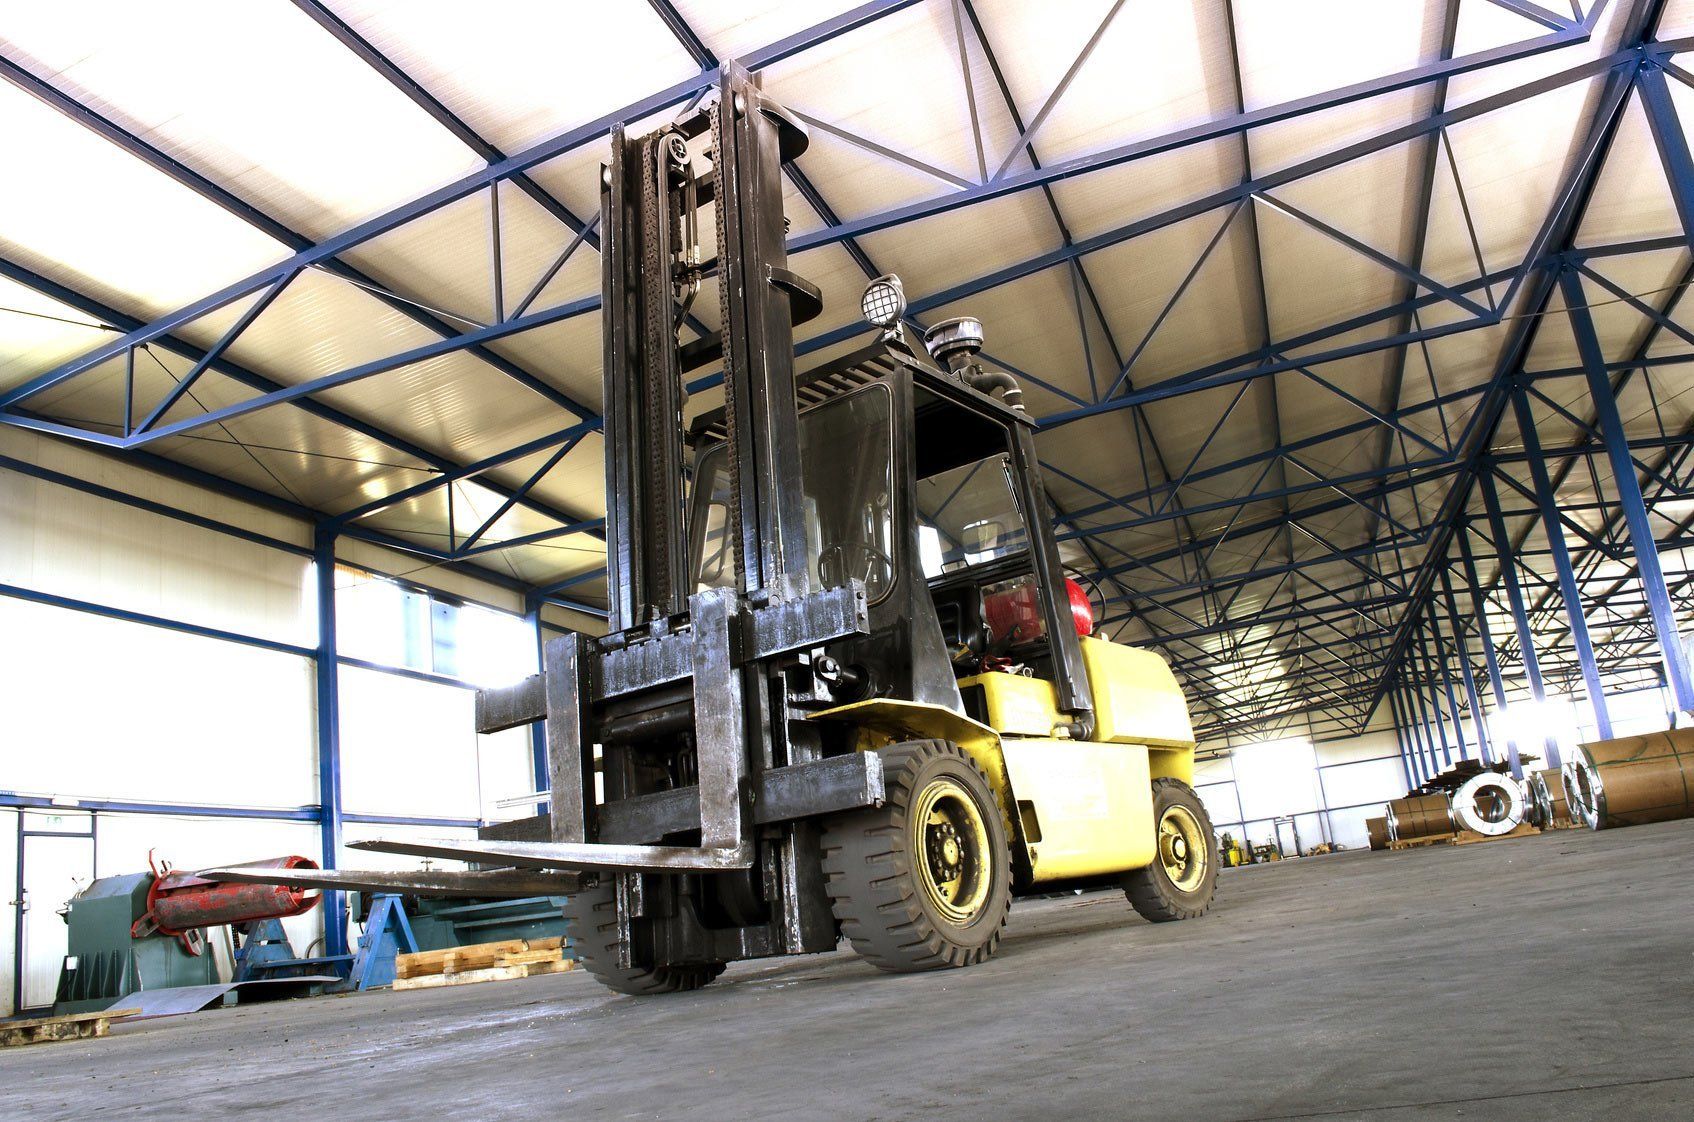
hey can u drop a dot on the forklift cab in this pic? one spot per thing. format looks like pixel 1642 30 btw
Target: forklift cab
pixel 926 490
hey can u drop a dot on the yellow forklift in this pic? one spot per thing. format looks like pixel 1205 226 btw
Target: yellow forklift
pixel 847 688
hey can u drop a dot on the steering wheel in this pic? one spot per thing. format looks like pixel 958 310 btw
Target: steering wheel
pixel 839 562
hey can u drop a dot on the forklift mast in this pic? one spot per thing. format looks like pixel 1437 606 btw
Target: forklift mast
pixel 686 696
pixel 651 202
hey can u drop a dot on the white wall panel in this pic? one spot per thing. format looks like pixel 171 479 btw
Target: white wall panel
pixel 58 540
pixel 408 747
pixel 1219 800
pixel 1371 745
pixel 1367 781
pixel 128 711
pixel 504 761
pixel 1347 827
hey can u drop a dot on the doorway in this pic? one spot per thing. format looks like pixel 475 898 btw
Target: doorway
pixel 55 862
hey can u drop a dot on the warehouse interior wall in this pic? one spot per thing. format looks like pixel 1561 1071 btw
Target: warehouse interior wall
pixel 170 666
pixel 1263 792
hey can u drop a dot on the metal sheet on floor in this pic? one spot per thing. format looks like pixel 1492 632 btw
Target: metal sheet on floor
pixel 174 1001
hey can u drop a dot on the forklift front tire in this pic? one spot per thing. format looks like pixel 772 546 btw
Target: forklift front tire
pixel 1183 876
pixel 922 882
pixel 592 915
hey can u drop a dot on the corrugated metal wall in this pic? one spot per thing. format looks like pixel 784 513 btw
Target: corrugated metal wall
pixel 136 711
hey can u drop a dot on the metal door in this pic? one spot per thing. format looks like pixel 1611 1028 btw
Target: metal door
pixel 55 862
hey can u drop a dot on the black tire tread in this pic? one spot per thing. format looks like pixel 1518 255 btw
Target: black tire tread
pixel 1149 892
pixel 592 934
pixel 870 879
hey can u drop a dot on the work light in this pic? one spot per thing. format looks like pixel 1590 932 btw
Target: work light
pixel 884 301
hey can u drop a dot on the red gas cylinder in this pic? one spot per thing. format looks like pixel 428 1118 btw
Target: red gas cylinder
pixel 182 903
pixel 1013 611
pixel 1082 612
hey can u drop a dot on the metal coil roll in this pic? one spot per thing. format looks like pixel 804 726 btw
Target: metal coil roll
pixel 1633 780
pixel 1549 790
pixel 1489 804
pixel 1420 816
pixel 1577 809
pixel 1377 828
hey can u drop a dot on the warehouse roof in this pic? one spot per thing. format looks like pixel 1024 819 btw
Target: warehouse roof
pixel 1269 272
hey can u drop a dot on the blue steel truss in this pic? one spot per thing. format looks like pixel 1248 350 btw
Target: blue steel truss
pixel 1503 539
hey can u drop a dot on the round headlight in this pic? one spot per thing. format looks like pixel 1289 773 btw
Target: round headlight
pixel 884 301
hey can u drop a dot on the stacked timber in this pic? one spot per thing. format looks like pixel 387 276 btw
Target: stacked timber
pixel 1632 780
pixel 481 962
pixel 1378 830
pixel 1419 818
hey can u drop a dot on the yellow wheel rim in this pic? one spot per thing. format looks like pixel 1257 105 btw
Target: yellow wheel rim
pixel 1182 848
pixel 950 850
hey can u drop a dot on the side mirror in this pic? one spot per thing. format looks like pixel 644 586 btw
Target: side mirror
pixel 982 537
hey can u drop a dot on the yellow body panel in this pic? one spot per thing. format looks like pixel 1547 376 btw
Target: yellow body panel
pixel 914 720
pixel 1136 697
pixel 1086 809
pixel 1017 706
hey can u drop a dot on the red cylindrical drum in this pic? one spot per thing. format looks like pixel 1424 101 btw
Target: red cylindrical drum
pixel 182 902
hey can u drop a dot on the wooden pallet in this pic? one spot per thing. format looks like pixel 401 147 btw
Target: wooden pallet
pixel 1471 837
pixel 78 1026
pixel 481 962
pixel 1414 843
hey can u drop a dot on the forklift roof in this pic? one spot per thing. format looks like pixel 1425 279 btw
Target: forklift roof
pixel 953 424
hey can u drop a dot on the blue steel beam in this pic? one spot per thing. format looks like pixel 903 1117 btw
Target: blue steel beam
pixel 1231 125
pixel 240 374
pixel 1554 530
pixel 1445 671
pixel 328 679
pixel 1461 646
pixel 1556 234
pixel 1527 655
pixel 1628 490
pixel 232 204
pixel 520 162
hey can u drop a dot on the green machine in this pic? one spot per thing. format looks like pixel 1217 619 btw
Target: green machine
pixel 104 961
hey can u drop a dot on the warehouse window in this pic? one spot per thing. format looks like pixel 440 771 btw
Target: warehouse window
pixel 389 623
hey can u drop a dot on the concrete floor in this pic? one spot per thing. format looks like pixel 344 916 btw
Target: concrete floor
pixel 1542 977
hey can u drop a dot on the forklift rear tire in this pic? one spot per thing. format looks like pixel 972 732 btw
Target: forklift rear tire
pixel 1183 876
pixel 922 882
pixel 593 933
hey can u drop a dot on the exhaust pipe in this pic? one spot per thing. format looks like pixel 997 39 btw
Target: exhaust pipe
pixel 956 344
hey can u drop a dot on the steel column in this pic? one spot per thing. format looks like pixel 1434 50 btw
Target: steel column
pixel 1415 725
pixel 1514 599
pixel 1636 520
pixel 327 673
pixel 1447 683
pixel 1400 737
pixel 1427 698
pixel 1547 501
pixel 1479 722
pixel 1407 742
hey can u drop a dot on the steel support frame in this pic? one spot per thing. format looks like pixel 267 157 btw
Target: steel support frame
pixel 1171 509
pixel 1642 543
pixel 1552 526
